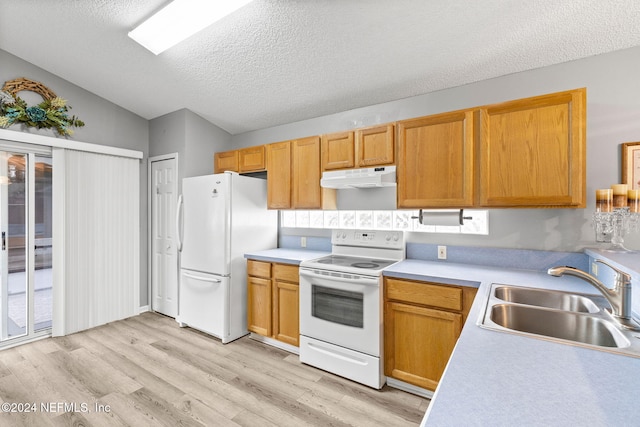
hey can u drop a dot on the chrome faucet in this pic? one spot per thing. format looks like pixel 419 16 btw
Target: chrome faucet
pixel 619 297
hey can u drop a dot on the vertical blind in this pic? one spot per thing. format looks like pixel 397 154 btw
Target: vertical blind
pixel 96 258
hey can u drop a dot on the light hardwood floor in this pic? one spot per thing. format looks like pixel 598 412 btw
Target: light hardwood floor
pixel 151 372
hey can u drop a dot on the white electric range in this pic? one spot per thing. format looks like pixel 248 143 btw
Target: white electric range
pixel 341 304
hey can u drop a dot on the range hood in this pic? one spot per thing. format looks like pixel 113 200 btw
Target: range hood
pixel 383 176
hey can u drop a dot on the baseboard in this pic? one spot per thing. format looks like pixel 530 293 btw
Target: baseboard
pixel 18 341
pixel 409 388
pixel 144 309
pixel 275 343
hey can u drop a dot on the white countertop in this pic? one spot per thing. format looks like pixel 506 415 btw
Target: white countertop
pixel 627 261
pixel 502 379
pixel 285 256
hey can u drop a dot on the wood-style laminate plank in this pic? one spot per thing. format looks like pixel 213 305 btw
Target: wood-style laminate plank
pixel 203 413
pixel 151 372
pixel 134 371
pixel 13 392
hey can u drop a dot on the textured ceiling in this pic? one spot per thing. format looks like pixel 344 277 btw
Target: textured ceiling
pixel 277 61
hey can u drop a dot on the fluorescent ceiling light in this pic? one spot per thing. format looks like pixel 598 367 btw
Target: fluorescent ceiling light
pixel 180 20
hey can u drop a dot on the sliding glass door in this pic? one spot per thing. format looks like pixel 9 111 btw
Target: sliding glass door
pixel 25 245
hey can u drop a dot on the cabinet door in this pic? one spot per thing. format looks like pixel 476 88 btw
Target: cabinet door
pixel 338 151
pixel 225 161
pixel 259 305
pixel 436 161
pixel 286 314
pixel 418 342
pixel 305 155
pixel 375 146
pixel 279 175
pixel 251 159
pixel 532 151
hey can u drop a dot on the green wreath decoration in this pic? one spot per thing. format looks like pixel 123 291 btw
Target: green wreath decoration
pixel 50 113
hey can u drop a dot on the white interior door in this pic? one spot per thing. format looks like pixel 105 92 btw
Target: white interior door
pixel 164 260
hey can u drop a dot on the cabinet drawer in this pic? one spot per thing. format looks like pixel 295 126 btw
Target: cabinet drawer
pixel 434 295
pixel 259 268
pixel 288 273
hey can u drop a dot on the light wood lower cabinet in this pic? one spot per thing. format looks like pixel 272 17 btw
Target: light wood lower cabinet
pixel 286 303
pixel 422 323
pixel 273 301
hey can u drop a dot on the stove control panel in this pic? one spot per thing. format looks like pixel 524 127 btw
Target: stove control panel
pixel 392 239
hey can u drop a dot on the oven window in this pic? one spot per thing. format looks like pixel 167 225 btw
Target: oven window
pixel 337 306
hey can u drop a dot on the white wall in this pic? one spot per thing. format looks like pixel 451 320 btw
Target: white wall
pixel 192 137
pixel 613 117
pixel 202 140
pixel 105 124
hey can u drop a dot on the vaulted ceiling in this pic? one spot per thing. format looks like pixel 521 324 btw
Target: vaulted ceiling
pixel 280 61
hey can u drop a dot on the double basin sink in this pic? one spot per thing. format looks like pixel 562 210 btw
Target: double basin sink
pixel 577 319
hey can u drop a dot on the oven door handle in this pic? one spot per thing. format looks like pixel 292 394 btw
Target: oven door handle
pixel 354 279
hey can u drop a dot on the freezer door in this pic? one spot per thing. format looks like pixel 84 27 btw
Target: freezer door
pixel 204 302
pixel 205 224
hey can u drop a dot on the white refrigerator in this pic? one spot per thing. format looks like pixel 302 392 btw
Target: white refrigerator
pixel 220 218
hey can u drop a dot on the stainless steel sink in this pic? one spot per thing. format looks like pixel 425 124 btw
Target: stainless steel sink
pixel 543 298
pixel 576 319
pixel 565 325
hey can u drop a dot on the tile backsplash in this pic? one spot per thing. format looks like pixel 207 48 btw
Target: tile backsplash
pixel 404 220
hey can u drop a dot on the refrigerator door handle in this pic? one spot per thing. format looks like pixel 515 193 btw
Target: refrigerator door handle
pixel 179 223
pixel 204 279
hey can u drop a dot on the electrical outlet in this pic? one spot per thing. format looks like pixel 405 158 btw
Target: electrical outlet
pixel 303 242
pixel 442 252
pixel 594 268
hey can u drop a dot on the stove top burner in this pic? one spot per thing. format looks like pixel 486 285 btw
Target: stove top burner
pixel 365 265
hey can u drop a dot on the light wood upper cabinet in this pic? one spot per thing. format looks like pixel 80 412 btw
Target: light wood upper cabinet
pixel 372 146
pixel 532 152
pixel 524 153
pixel 293 176
pixel 375 146
pixel 252 159
pixel 436 165
pixel 225 161
pixel 306 174
pixel 338 151
pixel 279 175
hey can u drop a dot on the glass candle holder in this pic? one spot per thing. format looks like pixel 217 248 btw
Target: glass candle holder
pixel 619 195
pixel 633 200
pixel 604 200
